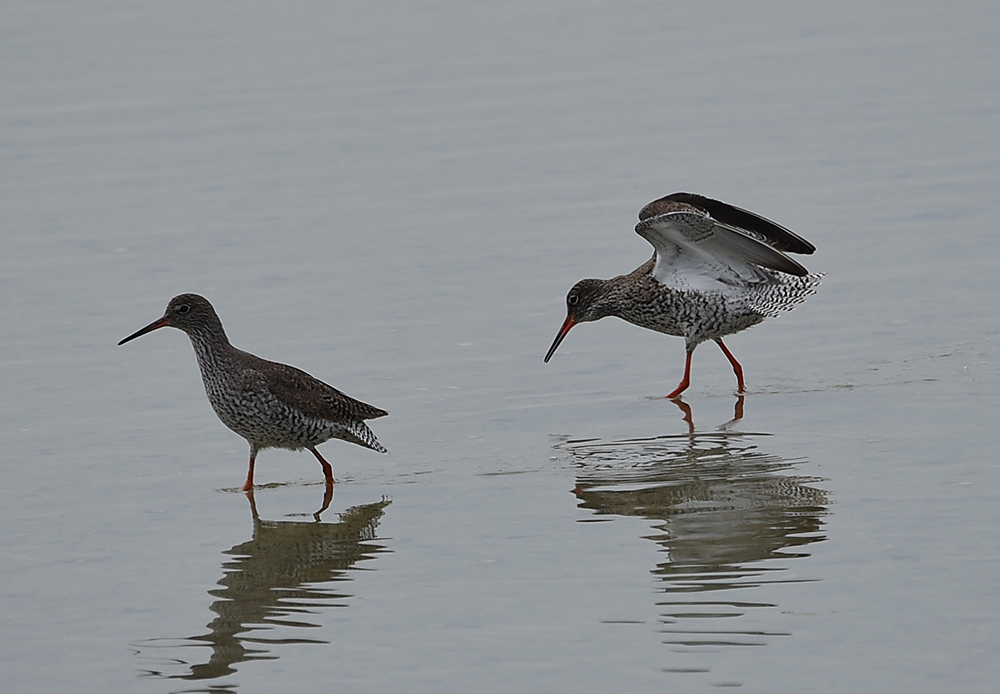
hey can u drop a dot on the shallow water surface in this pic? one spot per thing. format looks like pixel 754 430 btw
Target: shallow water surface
pixel 397 200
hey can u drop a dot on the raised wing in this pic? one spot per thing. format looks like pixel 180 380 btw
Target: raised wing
pixel 694 250
pixel 752 223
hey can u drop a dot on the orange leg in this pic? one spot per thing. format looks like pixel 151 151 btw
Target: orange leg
pixel 327 470
pixel 737 369
pixel 248 485
pixel 686 381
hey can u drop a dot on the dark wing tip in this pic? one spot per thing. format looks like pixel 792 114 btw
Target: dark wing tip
pixel 343 404
pixel 778 236
pixel 375 413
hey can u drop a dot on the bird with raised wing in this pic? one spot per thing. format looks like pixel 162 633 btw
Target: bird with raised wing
pixel 716 270
pixel 271 405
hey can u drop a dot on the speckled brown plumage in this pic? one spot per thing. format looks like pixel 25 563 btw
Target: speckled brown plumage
pixel 716 270
pixel 269 404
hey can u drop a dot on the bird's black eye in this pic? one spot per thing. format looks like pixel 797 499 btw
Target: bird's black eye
pixel 572 300
pixel 183 308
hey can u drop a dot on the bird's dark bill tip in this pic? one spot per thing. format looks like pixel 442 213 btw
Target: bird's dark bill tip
pixel 567 324
pixel 159 323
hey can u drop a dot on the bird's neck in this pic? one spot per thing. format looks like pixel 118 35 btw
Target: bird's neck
pixel 212 347
pixel 616 296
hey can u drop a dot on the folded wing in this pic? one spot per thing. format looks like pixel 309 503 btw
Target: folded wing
pixel 311 396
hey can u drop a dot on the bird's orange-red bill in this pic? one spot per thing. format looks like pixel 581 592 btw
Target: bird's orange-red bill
pixel 158 323
pixel 567 324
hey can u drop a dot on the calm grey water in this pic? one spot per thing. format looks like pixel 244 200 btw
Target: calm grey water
pixel 396 199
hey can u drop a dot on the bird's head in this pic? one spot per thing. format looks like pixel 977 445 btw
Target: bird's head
pixel 188 312
pixel 584 302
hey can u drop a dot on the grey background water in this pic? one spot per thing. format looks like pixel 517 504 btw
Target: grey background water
pixel 396 197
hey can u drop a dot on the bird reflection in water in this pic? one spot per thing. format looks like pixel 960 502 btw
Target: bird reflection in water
pixel 273 581
pixel 727 516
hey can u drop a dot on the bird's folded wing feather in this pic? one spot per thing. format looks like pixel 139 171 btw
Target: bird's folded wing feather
pixel 312 397
pixel 693 245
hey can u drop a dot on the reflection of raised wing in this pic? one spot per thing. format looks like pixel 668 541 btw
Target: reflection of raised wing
pixel 273 581
pixel 725 515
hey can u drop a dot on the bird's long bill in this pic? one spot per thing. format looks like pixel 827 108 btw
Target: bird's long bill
pixel 158 323
pixel 567 324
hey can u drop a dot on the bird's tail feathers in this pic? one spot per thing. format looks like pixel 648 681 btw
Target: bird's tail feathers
pixel 784 294
pixel 360 434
